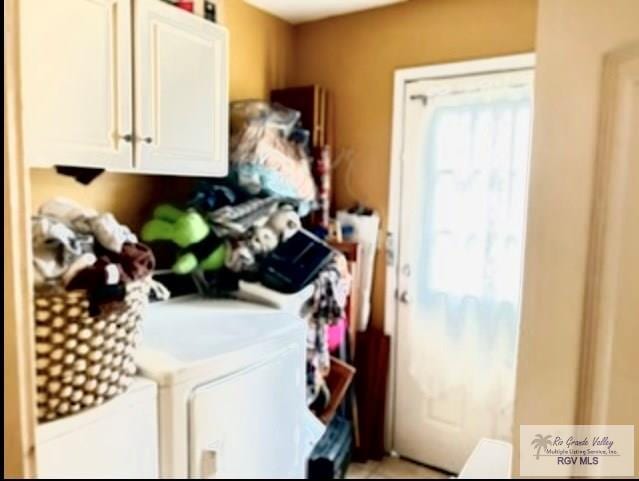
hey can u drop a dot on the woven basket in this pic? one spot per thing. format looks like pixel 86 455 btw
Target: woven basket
pixel 82 360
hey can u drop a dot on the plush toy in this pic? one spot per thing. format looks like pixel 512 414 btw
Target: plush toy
pixel 244 254
pixel 240 257
pixel 285 222
pixel 263 240
pixel 201 249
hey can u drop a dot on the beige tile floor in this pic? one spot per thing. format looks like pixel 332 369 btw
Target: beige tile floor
pixel 392 468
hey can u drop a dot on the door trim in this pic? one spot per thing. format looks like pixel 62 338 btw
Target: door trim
pixel 402 77
pixel 620 72
pixel 19 382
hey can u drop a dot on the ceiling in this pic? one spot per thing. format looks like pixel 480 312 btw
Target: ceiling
pixel 298 11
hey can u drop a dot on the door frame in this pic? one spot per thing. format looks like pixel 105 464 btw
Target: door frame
pixel 402 77
pixel 19 357
pixel 605 238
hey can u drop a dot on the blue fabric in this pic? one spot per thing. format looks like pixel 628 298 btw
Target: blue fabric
pixel 257 179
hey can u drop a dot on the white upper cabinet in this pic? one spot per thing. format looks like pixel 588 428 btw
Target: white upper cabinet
pixel 89 101
pixel 76 82
pixel 181 99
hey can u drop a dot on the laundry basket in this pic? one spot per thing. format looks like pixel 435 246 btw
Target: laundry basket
pixel 83 359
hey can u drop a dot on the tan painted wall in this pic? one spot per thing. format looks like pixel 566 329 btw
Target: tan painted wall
pixel 354 56
pixel 261 56
pixel 262 51
pixel 572 38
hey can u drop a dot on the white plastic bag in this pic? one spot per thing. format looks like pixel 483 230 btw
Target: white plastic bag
pixel 364 230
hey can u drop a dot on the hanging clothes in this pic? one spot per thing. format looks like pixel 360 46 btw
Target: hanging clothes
pixel 327 308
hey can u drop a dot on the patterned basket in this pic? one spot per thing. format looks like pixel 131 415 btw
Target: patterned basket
pixel 82 360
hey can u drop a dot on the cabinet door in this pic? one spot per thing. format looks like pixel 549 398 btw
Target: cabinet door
pixel 249 424
pixel 76 79
pixel 117 440
pixel 181 92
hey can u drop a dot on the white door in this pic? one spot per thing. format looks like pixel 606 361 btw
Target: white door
pixel 249 424
pixel 76 80
pixel 181 92
pixel 463 203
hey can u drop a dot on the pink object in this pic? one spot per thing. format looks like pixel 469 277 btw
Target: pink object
pixel 185 5
pixel 336 334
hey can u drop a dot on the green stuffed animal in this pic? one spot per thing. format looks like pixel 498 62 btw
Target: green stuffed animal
pixel 201 248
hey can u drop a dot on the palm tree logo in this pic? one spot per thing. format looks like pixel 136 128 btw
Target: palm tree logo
pixel 540 442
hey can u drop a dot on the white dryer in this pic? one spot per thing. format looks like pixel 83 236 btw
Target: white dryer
pixel 231 379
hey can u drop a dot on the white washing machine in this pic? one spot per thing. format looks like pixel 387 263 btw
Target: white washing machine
pixel 231 379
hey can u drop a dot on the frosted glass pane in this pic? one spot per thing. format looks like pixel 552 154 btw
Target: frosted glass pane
pixel 474 189
pixel 473 183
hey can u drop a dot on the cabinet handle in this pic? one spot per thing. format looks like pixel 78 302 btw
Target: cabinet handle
pixel 148 140
pixel 127 137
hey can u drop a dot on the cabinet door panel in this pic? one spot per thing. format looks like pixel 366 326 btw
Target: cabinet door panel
pixel 76 77
pixel 181 92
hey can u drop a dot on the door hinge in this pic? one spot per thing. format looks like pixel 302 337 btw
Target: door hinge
pixel 390 249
